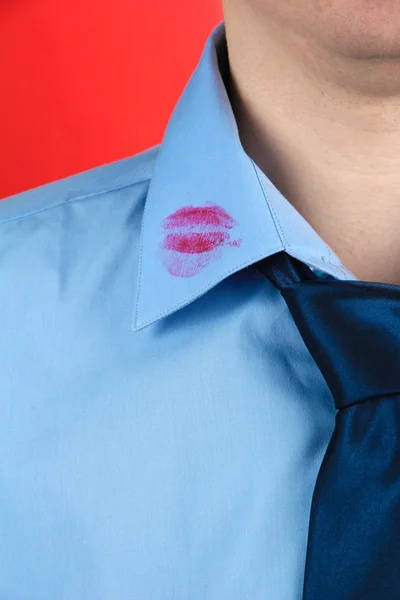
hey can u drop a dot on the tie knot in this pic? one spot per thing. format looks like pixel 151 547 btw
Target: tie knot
pixel 351 328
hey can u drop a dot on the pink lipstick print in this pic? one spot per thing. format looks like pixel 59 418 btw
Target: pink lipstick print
pixel 195 236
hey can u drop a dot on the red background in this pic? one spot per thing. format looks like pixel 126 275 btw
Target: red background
pixel 87 82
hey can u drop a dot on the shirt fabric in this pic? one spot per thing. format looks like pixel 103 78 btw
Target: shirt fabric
pixel 162 422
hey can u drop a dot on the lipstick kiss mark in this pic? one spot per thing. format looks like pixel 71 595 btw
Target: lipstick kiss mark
pixel 195 236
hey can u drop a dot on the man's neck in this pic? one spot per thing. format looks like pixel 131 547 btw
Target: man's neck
pixel 332 150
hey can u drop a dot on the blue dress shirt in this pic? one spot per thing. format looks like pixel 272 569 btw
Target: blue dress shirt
pixel 162 422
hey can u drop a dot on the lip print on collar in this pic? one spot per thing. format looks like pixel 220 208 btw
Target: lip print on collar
pixel 194 237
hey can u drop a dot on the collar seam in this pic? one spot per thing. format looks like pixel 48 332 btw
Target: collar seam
pixel 278 227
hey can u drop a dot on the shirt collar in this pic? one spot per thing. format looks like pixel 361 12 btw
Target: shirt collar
pixel 210 211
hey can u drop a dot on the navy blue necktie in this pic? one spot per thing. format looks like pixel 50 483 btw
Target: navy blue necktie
pixel 352 331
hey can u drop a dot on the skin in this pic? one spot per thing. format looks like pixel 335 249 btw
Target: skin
pixel 315 89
